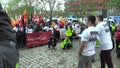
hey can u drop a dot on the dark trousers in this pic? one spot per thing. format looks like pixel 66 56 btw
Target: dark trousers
pixel 118 49
pixel 117 44
pixel 68 46
pixel 113 43
pixel 71 39
pixel 53 46
pixel 105 57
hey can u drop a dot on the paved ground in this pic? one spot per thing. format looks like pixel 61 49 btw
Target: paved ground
pixel 41 57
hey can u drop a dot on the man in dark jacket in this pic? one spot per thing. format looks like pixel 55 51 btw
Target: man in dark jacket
pixel 8 51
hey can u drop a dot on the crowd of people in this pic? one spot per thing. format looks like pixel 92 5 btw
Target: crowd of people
pixel 94 29
pixel 58 31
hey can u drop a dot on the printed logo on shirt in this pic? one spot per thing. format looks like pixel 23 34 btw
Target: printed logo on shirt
pixel 93 36
pixel 106 28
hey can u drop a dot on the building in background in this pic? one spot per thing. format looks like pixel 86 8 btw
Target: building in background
pixel 86 7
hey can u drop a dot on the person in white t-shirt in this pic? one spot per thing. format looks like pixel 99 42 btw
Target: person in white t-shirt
pixel 46 28
pixel 29 29
pixel 104 41
pixel 62 33
pixel 87 47
pixel 77 29
pixel 16 28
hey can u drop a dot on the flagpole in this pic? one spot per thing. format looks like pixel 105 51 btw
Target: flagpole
pixel 24 31
pixel 24 27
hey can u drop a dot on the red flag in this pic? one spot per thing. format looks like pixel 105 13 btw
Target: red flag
pixel 40 18
pixel 21 22
pixel 25 14
pixel 35 16
pixel 23 18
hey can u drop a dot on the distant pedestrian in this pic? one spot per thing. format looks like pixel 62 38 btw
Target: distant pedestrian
pixel 52 42
pixel 29 29
pixel 117 35
pixel 105 42
pixel 87 47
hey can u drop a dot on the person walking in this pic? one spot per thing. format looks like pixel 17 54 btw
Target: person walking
pixel 104 41
pixel 87 47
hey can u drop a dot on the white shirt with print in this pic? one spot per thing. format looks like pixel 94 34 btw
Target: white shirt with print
pixel 29 30
pixel 104 36
pixel 77 29
pixel 62 33
pixel 90 35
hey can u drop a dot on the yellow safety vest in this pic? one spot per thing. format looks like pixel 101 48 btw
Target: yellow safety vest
pixel 69 32
pixel 113 27
pixel 119 46
pixel 64 42
pixel 17 65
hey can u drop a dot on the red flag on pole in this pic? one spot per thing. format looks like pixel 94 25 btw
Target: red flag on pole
pixel 20 22
pixel 23 18
pixel 39 19
pixel 35 15
pixel 25 14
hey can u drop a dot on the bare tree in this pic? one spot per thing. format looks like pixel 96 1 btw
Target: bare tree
pixel 50 5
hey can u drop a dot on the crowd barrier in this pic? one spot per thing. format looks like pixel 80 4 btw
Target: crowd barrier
pixel 37 39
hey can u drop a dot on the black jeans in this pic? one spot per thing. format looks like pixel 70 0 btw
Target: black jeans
pixel 118 49
pixel 67 46
pixel 53 46
pixel 71 39
pixel 117 44
pixel 105 57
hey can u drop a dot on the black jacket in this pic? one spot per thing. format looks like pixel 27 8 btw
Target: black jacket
pixel 8 52
pixel 6 32
pixel 52 40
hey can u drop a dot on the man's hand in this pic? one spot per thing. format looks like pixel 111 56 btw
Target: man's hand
pixel 79 53
pixel 82 46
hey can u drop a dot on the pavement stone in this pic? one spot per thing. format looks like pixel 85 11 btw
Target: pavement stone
pixel 41 57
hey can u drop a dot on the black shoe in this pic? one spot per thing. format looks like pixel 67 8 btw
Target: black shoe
pixel 118 56
pixel 93 60
pixel 48 48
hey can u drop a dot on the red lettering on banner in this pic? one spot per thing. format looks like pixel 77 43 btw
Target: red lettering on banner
pixel 39 38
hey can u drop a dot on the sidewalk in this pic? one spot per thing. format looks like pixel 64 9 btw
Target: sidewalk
pixel 41 57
